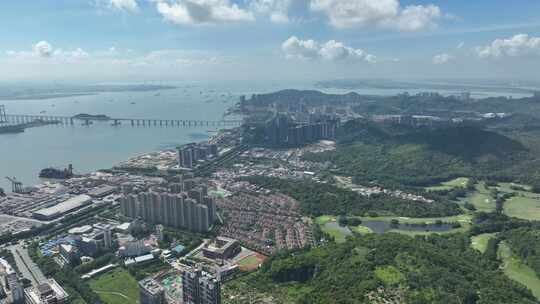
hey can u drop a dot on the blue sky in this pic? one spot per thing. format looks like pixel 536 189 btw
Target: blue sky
pixel 268 39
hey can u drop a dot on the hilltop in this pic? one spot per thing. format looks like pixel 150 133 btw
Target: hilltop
pixel 391 154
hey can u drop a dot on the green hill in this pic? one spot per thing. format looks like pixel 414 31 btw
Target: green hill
pixel 391 154
pixel 389 268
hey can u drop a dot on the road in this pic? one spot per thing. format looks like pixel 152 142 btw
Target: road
pixel 28 268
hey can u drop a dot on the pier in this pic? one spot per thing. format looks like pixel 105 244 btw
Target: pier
pixel 116 122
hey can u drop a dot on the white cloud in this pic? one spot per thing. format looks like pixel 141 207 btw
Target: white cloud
pixel 42 49
pixel 518 45
pixel 277 10
pixel 303 49
pixel 442 58
pixel 77 53
pixel 202 11
pixel 378 13
pixel 125 5
pixel 331 50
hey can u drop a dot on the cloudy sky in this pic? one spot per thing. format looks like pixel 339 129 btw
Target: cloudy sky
pixel 123 40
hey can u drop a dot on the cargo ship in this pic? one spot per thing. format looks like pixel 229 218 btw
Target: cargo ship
pixel 11 129
pixel 57 173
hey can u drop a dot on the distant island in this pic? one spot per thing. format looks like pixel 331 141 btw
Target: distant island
pixel 73 91
pixel 434 85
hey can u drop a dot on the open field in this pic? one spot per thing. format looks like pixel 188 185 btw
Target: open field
pixel 362 229
pixel 251 262
pixel 464 228
pixel 326 224
pixel 449 185
pixel 507 187
pixel 523 207
pixel 323 219
pixel 479 242
pixel 481 198
pixel 462 218
pixel 337 233
pixel 525 204
pixel 515 269
pixel 116 287
pixel 329 225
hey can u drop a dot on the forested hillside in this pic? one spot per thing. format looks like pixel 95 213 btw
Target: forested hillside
pixel 410 156
pixel 318 199
pixel 525 242
pixel 389 268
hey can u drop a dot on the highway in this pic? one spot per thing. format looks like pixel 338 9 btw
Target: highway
pixel 27 267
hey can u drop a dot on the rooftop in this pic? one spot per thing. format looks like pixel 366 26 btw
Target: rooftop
pixel 66 206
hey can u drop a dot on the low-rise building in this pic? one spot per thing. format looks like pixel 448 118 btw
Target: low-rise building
pixel 62 208
pixel 49 292
pixel 221 248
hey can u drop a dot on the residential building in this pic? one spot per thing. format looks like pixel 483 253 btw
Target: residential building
pixel 151 292
pixel 200 287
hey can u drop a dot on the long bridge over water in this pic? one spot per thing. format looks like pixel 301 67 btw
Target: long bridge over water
pixel 134 122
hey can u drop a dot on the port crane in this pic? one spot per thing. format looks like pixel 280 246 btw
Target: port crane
pixel 16 186
pixel 3 116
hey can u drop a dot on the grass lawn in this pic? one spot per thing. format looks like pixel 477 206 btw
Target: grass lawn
pixel 116 287
pixel 479 242
pixel 525 207
pixel 462 218
pixel 515 269
pixel 323 219
pixel 337 234
pixel 463 228
pixel 449 185
pixel 249 262
pixel 362 229
pixel 507 187
pixel 481 199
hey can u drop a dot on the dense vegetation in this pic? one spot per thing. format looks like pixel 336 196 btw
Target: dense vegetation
pixel 390 268
pixel 525 243
pixel 319 199
pixel 398 155
pixel 78 289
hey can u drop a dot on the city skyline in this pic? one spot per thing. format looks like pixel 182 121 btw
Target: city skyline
pixel 124 40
